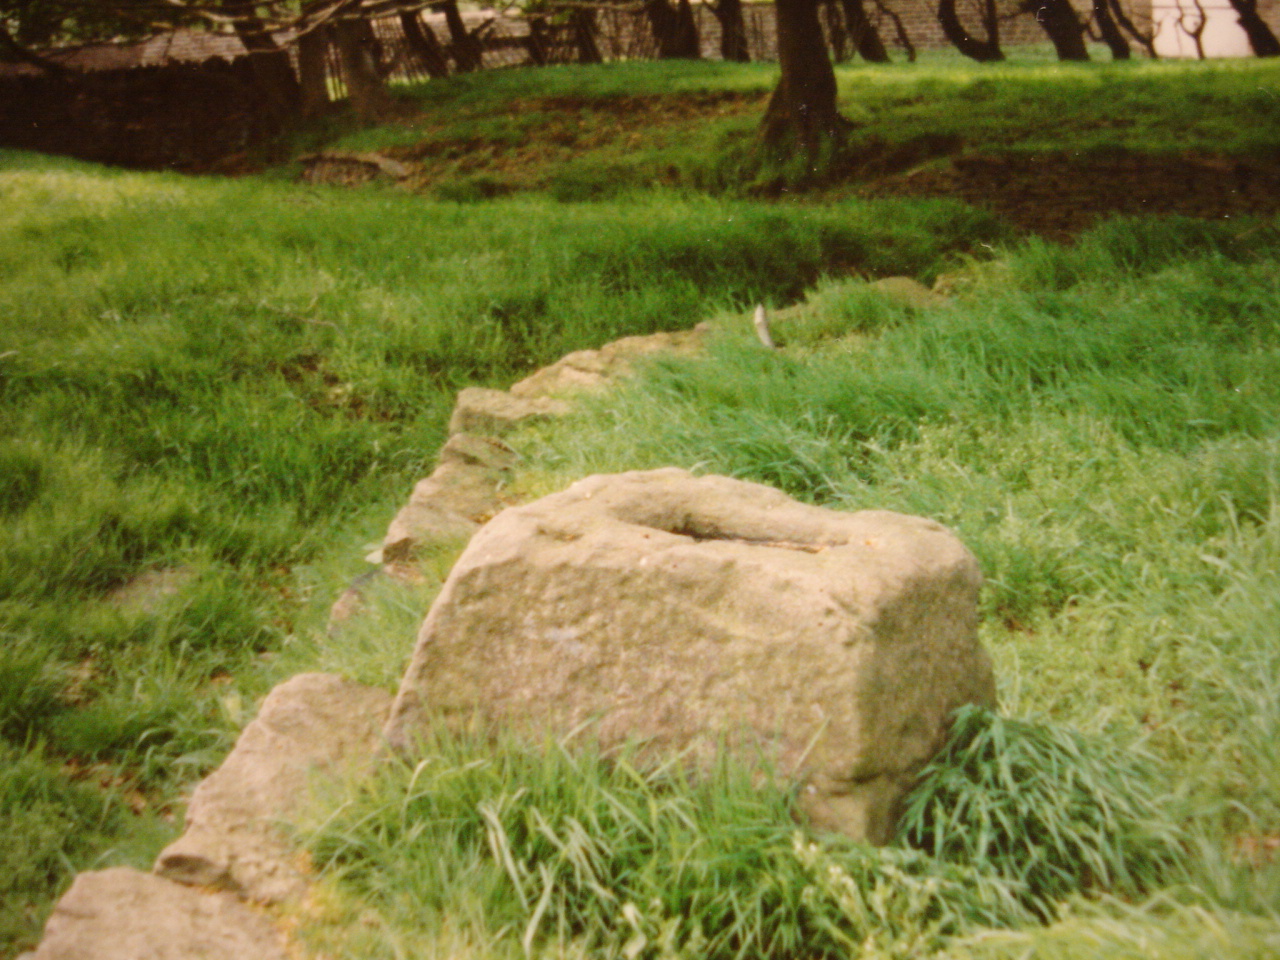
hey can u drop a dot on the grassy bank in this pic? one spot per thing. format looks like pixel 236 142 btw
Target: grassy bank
pixel 210 387
pixel 1101 425
pixel 593 133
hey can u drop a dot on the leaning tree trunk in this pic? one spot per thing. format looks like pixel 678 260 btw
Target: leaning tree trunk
pixel 1057 18
pixel 425 45
pixel 466 51
pixel 733 31
pixel 1261 38
pixel 899 29
pixel 536 43
pixel 833 26
pixel 13 51
pixel 313 79
pixel 1146 39
pixel 674 29
pixel 802 110
pixel 1111 34
pixel 984 51
pixel 863 33
pixel 582 24
pixel 369 97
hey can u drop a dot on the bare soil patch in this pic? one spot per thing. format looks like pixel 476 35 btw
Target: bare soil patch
pixel 1060 194
pixel 565 128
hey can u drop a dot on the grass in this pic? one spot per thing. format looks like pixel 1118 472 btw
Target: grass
pixel 1097 424
pixel 207 385
pixel 602 132
pixel 564 847
pixel 216 393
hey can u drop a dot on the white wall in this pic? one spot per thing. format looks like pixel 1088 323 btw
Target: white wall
pixel 1223 36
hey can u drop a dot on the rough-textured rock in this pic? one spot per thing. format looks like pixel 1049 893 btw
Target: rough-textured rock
pixel 346 168
pixel 148 590
pixel 689 613
pixel 496 412
pixel 589 369
pixel 123 914
pixel 460 494
pixel 309 724
pixel 463 492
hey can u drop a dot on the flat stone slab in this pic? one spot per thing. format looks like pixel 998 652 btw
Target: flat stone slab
pixel 591 369
pixel 312 724
pixel 347 168
pixel 124 914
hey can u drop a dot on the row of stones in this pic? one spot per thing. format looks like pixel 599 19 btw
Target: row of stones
pixel 207 894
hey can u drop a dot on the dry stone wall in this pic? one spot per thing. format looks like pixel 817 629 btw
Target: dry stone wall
pixel 861 703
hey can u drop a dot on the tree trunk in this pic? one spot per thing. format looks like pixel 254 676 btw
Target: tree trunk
pixel 674 29
pixel 733 31
pixel 536 44
pixel 583 25
pixel 863 33
pixel 313 79
pixel 833 26
pixel 12 51
pixel 690 45
pixel 1111 34
pixel 466 51
pixel 984 51
pixel 1194 28
pixel 37 26
pixel 1261 38
pixel 369 98
pixel 1145 39
pixel 425 45
pixel 899 30
pixel 802 110
pixel 1059 21
pixel 272 71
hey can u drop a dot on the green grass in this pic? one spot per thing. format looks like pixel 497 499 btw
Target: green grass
pixel 1099 424
pixel 215 394
pixel 602 132
pixel 207 386
pixel 558 848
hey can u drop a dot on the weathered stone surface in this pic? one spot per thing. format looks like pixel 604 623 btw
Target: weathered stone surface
pixel 691 612
pixel 497 412
pixel 460 494
pixel 309 724
pixel 345 168
pixel 123 914
pixel 148 590
pixel 589 369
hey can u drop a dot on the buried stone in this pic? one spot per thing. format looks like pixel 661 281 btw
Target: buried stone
pixel 689 614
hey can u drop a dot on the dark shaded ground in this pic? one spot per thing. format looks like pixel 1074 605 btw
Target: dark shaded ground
pixel 1060 194
pixel 535 143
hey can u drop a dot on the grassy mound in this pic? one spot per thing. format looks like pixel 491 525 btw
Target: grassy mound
pixel 1100 424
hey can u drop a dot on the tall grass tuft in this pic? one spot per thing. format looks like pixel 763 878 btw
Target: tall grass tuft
pixel 565 845
pixel 1052 812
